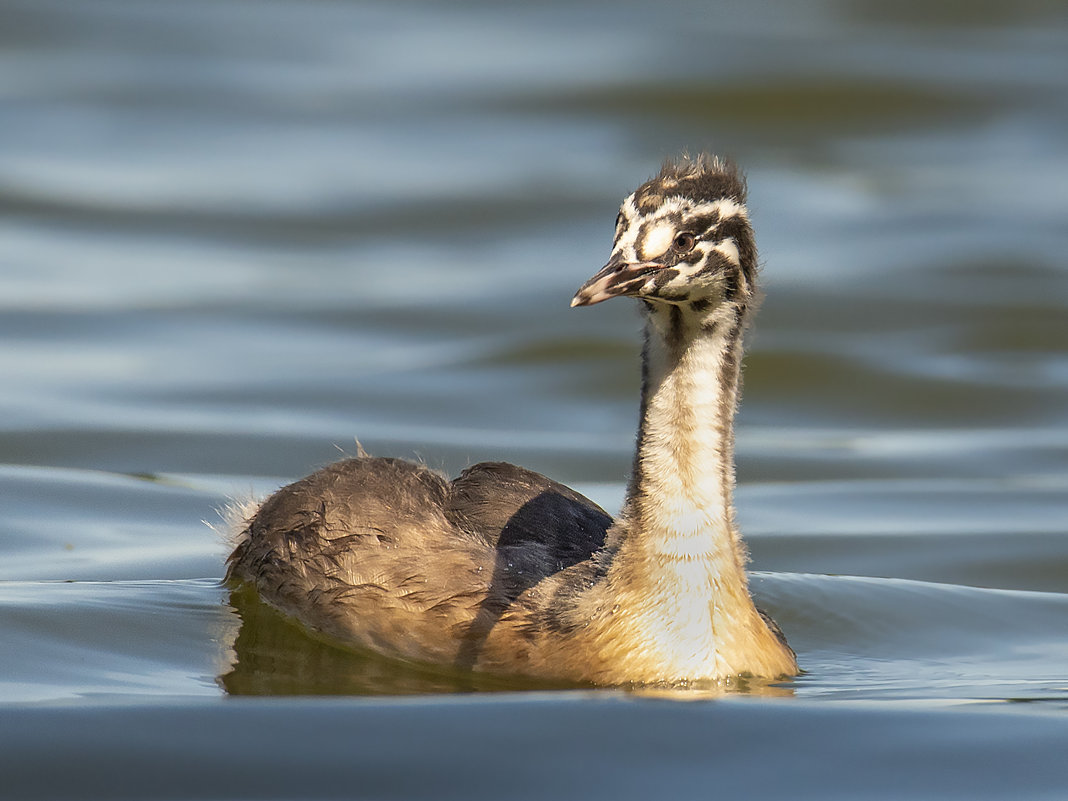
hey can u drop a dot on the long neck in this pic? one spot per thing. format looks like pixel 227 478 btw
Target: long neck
pixel 676 579
pixel 680 499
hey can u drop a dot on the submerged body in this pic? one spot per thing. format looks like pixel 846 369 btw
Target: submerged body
pixel 505 570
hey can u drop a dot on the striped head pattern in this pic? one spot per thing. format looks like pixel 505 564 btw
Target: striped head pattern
pixel 682 238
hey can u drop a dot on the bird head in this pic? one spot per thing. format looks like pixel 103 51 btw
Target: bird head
pixel 682 238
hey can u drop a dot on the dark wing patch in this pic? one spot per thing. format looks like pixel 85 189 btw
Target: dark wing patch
pixel 508 506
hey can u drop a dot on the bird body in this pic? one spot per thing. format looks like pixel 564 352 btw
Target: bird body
pixel 507 571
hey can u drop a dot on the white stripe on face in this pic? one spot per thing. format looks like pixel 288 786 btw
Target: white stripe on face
pixel 657 240
pixel 725 206
pixel 729 250
pixel 631 226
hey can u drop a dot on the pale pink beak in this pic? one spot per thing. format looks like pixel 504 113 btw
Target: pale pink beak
pixel 616 278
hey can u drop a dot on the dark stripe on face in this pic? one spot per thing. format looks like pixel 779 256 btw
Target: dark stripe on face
pixel 665 276
pixel 627 287
pixel 740 231
pixel 693 257
pixel 720 265
pixel 716 263
pixel 702 223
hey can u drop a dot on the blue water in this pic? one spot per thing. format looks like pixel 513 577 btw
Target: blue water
pixel 235 236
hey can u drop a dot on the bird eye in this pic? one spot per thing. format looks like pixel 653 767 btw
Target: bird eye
pixel 684 242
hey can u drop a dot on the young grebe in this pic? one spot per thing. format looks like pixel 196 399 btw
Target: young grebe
pixel 505 570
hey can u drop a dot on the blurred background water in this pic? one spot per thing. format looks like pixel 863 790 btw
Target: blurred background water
pixel 236 235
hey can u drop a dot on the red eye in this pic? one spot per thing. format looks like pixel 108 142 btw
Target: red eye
pixel 684 242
